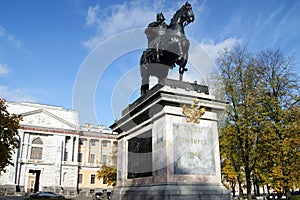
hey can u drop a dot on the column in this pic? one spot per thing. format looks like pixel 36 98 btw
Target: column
pixel 99 151
pixel 111 152
pixel 68 148
pixel 73 148
pixel 76 149
pixel 87 159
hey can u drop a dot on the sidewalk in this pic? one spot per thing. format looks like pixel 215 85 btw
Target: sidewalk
pixel 24 197
pixel 83 198
pixel 12 198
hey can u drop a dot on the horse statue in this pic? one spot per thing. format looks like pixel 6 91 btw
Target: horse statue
pixel 167 46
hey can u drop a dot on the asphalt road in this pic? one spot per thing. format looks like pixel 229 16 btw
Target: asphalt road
pixel 24 197
pixel 11 198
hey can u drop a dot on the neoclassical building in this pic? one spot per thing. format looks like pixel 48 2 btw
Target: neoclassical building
pixel 55 153
pixel 96 146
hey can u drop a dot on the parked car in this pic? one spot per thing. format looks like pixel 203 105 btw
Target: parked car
pixel 49 195
pixel 98 196
pixel 108 195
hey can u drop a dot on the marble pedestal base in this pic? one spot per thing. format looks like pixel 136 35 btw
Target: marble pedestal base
pixel 162 155
pixel 172 192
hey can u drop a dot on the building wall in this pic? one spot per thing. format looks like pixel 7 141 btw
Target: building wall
pixel 96 146
pixel 86 183
pixel 60 139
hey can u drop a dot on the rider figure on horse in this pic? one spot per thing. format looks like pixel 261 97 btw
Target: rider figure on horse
pixel 154 32
pixel 167 46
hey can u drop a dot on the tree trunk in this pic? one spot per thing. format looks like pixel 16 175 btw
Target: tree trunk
pixel 240 186
pixel 233 188
pixel 248 181
pixel 256 186
pixel 268 190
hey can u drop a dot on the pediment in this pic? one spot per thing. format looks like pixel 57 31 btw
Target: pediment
pixel 44 118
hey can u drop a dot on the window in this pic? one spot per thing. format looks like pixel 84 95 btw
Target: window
pixel 93 142
pixel 92 158
pixel 79 157
pixel 65 156
pixel 36 153
pixel 65 176
pixel 36 149
pixel 104 143
pixel 93 178
pixel 80 142
pixel 104 157
pixel 80 178
pixel 37 141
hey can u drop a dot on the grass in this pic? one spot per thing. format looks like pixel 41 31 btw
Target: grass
pixel 296 197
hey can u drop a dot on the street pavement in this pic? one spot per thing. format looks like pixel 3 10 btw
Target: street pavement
pixel 12 197
pixel 24 197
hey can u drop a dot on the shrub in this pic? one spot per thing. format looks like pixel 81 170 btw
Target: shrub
pixel 294 197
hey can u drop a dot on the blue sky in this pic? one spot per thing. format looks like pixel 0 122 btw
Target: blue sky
pixel 84 54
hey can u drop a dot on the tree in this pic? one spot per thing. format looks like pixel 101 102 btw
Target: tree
pixel 280 110
pixel 9 124
pixel 232 171
pixel 241 129
pixel 108 173
pixel 259 137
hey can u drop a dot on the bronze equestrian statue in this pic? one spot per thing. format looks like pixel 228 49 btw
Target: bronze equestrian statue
pixel 167 46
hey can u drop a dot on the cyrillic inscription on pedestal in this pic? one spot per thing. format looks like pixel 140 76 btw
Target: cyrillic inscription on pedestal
pixel 193 150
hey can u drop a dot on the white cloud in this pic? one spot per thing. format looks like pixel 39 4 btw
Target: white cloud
pixel 92 13
pixel 201 64
pixel 15 95
pixel 2 31
pixel 212 48
pixel 4 69
pixel 123 91
pixel 121 17
pixel 92 42
pixel 9 38
pixel 202 58
pixel 13 41
pixel 135 14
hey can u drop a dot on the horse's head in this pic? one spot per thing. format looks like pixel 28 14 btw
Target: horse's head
pixel 188 13
pixel 184 15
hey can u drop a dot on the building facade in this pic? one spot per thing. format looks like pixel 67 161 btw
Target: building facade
pixel 96 146
pixel 50 142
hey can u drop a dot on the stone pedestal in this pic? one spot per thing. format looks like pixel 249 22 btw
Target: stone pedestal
pixel 163 156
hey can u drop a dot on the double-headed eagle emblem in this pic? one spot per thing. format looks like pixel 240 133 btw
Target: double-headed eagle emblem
pixel 193 113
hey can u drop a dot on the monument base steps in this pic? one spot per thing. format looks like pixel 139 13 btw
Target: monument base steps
pixel 172 192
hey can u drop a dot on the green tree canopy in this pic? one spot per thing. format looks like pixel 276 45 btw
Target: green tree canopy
pixel 281 113
pixel 9 124
pixel 259 137
pixel 108 173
